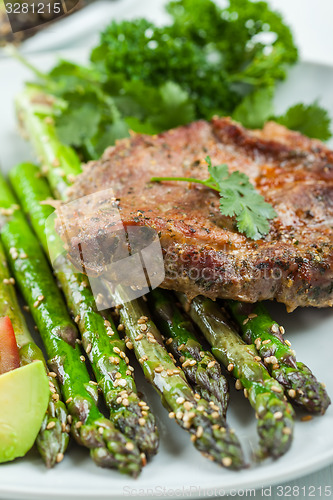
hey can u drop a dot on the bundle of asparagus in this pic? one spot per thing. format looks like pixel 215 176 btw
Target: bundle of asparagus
pixel 188 378
pixel 108 446
pixel 100 338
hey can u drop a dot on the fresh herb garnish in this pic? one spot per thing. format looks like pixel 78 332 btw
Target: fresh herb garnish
pixel 238 198
pixel 209 60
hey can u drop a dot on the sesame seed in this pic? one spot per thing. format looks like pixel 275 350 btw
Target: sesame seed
pixel 142 422
pixel 180 400
pixel 118 375
pixel 77 318
pixel 276 388
pixel 226 461
pixel 276 366
pixel 252 316
pixel 78 424
pixel 23 255
pixel 266 342
pixel 188 405
pixel 193 362
pixel 257 358
pixel 292 393
pixel 282 330
pixel 129 446
pixel 288 343
pixel 78 341
pixel 169 372
pixel 274 328
pixel 129 345
pixel 179 415
pixel 186 363
pixel 100 430
pixel 215 414
pixel 159 369
pixel 125 402
pixel 246 394
pixel 230 367
pixel 82 358
pixel 245 321
pixel 63 427
pixel 139 337
pixel 131 369
pixel 193 438
pixel 120 327
pixel 197 396
pixel 59 457
pixel 278 415
pixel 169 341
pixel 211 364
pixel 238 385
pixel 69 419
pixel 286 431
pixel 143 327
pixel 172 414
pixel 88 348
pixel 202 354
pixel 55 397
pixel 50 425
pixel 306 418
pixel 92 382
pixel 176 371
pixel 200 408
pixel 116 350
pixel 199 432
pixel 52 374
pixel 141 321
pixel 182 359
pixel 69 400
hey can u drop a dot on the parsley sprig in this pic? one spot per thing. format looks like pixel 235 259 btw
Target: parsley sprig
pixel 238 198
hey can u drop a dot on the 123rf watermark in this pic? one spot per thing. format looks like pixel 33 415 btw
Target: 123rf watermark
pixel 287 491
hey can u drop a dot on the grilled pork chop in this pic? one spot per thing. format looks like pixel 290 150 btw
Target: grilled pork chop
pixel 203 252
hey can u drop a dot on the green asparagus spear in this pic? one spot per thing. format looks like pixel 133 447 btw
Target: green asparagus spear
pixel 205 374
pixel 99 335
pixel 53 437
pixel 275 415
pixel 35 111
pixel 203 420
pixel 108 446
pixel 257 327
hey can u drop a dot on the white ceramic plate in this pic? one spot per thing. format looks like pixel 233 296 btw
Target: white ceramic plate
pixel 179 469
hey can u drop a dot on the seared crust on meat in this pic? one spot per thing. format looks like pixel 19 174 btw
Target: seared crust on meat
pixel 203 252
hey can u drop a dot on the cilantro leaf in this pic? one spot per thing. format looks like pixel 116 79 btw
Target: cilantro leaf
pixel 238 198
pixel 255 108
pixel 311 120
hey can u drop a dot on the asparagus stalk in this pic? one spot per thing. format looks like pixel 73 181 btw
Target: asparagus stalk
pixel 275 415
pixel 199 365
pixel 35 111
pixel 201 419
pixel 108 446
pixel 100 338
pixel 257 327
pixel 53 438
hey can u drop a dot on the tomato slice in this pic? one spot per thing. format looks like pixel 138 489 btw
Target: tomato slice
pixel 9 353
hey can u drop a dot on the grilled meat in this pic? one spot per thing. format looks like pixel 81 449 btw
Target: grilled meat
pixel 203 252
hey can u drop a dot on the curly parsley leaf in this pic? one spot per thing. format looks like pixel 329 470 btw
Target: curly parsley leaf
pixel 311 120
pixel 238 198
